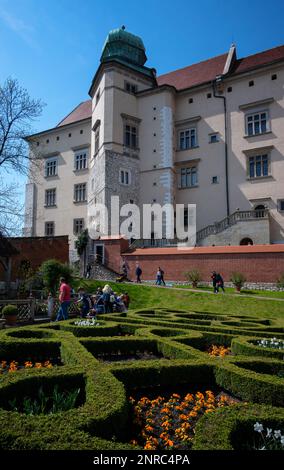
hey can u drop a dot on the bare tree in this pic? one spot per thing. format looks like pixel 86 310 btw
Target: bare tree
pixel 11 211
pixel 17 111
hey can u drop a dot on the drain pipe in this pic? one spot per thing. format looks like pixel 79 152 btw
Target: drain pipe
pixel 226 142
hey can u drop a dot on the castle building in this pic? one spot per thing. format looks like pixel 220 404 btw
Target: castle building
pixel 210 134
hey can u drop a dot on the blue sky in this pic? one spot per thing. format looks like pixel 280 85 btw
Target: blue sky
pixel 53 47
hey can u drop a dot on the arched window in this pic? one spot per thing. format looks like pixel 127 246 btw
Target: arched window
pixel 259 210
pixel 246 241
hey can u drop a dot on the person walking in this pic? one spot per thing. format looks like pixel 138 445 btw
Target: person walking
pixel 214 282
pixel 158 277
pixel 162 276
pixel 64 299
pixel 88 271
pixel 220 282
pixel 138 273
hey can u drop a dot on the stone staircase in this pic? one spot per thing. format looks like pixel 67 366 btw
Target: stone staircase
pixel 231 229
pixel 228 231
pixel 100 272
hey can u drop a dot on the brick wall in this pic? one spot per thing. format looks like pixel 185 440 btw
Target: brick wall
pixel 113 248
pixel 257 266
pixel 37 250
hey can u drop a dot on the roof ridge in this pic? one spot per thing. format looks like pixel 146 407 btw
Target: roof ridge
pixel 259 53
pixel 76 107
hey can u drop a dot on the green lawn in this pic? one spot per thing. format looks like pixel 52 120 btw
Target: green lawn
pixel 145 296
pixel 231 290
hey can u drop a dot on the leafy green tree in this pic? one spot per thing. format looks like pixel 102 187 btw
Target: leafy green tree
pixel 51 271
pixel 81 246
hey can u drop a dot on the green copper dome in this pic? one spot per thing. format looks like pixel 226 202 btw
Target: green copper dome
pixel 126 47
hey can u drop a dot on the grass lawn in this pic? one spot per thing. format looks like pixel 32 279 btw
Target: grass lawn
pixel 232 290
pixel 146 296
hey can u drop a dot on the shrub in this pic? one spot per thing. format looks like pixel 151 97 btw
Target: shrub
pixel 280 281
pixel 194 277
pixel 9 310
pixel 52 270
pixel 238 279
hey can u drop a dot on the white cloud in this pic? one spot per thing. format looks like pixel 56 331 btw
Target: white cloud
pixel 20 27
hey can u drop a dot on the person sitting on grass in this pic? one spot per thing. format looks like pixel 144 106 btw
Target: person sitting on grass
pixel 84 302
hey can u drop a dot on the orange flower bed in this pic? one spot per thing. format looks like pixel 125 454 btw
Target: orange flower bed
pixel 13 366
pixel 219 351
pixel 169 424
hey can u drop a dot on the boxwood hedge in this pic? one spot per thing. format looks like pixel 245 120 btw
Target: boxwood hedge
pixel 178 338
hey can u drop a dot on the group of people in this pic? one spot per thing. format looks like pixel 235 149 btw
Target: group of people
pixel 104 301
pixel 218 282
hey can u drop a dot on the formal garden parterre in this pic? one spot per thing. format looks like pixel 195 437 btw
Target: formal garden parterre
pixel 143 379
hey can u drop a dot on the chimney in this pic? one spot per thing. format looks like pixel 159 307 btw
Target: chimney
pixel 231 58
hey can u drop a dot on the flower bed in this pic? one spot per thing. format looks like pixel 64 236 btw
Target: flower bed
pixel 169 424
pixel 269 439
pixel 13 366
pixel 272 343
pixel 218 351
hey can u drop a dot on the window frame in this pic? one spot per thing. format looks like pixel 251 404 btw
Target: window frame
pixel 189 130
pixel 187 173
pixel 125 171
pixel 251 115
pixel 216 181
pixel 133 87
pixel 48 198
pixel 256 159
pixel 214 134
pixel 279 202
pixel 45 228
pixel 75 200
pixel 131 135
pixel 78 231
pixel 81 153
pixel 48 161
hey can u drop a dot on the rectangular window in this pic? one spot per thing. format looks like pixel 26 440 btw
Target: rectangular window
pixel 98 96
pixel 213 138
pixel 51 167
pixel 97 139
pixel 78 226
pixel 189 177
pixel 80 192
pixel 281 205
pixel 258 166
pixel 215 179
pixel 130 136
pixel 49 229
pixel 50 197
pixel 187 139
pixel 130 87
pixel 124 177
pixel 257 123
pixel 81 160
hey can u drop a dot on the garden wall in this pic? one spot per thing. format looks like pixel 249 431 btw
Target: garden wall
pixel 259 263
pixel 36 250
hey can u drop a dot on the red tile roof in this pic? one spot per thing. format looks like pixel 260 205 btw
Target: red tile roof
pixel 258 60
pixel 207 70
pixel 208 250
pixel 192 75
pixel 82 111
